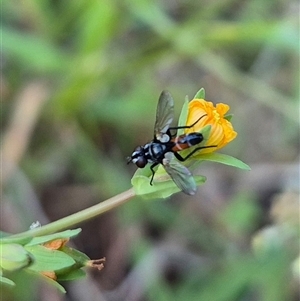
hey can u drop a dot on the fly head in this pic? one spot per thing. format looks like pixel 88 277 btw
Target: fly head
pixel 138 157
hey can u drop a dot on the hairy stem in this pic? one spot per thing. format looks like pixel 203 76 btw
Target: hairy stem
pixel 83 215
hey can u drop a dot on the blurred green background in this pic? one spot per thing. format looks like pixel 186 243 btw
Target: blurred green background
pixel 80 82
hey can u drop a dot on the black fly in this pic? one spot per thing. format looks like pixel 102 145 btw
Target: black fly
pixel 165 146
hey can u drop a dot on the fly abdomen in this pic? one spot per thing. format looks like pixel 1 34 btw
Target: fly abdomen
pixel 186 141
pixel 194 138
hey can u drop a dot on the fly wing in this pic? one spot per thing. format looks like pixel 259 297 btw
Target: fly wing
pixel 164 114
pixel 180 174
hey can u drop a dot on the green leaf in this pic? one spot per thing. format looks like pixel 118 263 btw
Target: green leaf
pixel 200 94
pixel 14 257
pixel 80 259
pixel 183 116
pixel 142 187
pixel 73 275
pixel 53 283
pixel 228 117
pixel 163 186
pixel 6 239
pixel 60 235
pixel 6 281
pixel 48 260
pixel 78 256
pixel 205 132
pixel 224 159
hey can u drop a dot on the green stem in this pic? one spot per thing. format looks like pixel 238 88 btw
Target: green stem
pixel 76 218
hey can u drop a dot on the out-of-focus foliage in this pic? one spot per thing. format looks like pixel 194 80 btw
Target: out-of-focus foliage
pixel 79 87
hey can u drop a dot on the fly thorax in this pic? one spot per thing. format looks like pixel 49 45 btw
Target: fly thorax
pixel 156 150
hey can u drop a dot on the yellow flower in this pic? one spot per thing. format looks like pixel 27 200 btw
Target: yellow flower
pixel 222 131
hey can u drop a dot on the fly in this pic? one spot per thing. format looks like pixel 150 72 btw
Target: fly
pixel 165 146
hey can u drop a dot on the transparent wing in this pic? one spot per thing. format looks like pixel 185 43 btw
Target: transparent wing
pixel 164 114
pixel 180 174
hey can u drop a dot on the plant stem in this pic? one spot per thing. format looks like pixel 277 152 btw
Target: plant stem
pixel 76 218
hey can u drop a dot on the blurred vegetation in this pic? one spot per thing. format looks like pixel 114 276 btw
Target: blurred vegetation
pixel 79 87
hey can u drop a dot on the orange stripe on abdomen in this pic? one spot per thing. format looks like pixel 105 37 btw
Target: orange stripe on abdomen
pixel 179 145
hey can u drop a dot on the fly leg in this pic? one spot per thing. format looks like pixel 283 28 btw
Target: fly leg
pixel 182 159
pixel 187 126
pixel 153 172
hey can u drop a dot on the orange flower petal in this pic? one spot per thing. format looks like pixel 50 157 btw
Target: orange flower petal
pixel 49 274
pixel 56 244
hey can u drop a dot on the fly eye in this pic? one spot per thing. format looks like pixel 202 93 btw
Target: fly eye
pixel 141 162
